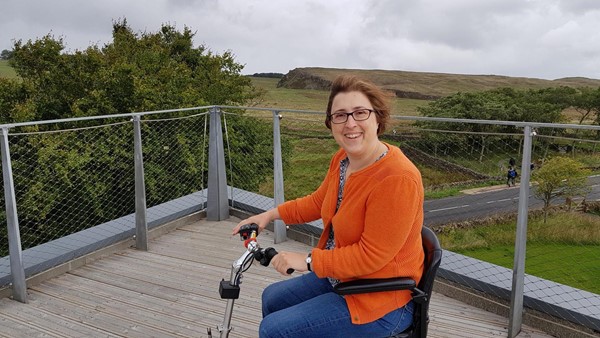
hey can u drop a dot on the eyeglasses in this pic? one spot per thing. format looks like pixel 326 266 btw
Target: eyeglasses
pixel 358 115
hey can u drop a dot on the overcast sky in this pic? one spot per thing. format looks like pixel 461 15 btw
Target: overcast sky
pixel 546 39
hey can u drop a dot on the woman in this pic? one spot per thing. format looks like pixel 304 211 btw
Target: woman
pixel 371 203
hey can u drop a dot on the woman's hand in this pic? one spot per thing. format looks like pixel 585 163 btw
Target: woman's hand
pixel 286 260
pixel 261 219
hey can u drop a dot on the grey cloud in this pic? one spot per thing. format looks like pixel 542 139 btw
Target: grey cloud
pixel 579 7
pixel 534 38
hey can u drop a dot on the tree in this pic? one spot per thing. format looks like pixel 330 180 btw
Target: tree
pixel 560 177
pixel 6 54
pixel 506 104
pixel 135 72
pixel 587 103
pixel 93 169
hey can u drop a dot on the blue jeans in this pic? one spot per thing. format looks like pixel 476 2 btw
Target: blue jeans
pixel 306 306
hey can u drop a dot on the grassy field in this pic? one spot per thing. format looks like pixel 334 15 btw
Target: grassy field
pixel 310 159
pixel 562 250
pixel 316 100
pixel 6 71
pixel 303 99
pixel 309 164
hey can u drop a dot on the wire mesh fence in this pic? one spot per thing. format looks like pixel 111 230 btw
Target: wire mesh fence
pixel 81 174
pixel 76 175
pixel 248 148
pixel 69 177
pixel 175 153
pixel 69 180
pixel 472 201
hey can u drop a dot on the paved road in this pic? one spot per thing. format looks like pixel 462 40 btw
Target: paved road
pixel 487 202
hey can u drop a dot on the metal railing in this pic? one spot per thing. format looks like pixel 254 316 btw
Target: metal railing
pixel 64 176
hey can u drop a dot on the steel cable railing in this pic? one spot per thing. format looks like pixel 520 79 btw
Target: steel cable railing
pixel 72 175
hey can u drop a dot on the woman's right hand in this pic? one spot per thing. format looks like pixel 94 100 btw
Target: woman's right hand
pixel 262 220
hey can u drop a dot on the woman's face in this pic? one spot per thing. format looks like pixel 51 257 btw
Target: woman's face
pixel 357 138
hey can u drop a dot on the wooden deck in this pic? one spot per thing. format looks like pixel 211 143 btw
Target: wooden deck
pixel 172 291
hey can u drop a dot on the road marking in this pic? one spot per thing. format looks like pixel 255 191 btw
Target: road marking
pixel 450 208
pixel 502 200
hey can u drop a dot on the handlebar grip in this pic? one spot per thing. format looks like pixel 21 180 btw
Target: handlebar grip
pixel 246 230
pixel 265 256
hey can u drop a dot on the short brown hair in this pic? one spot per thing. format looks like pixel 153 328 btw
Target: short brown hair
pixel 379 98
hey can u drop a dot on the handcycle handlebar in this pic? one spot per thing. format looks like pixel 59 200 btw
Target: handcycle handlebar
pixel 248 232
pixel 230 290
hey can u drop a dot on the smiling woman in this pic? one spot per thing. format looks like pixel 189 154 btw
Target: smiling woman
pixel 371 203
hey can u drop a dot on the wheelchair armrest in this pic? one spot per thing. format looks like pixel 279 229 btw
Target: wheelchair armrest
pixel 374 285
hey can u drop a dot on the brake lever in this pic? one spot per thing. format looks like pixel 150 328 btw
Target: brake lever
pixel 246 231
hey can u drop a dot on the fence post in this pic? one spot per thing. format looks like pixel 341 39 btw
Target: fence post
pixel 17 270
pixel 279 226
pixel 217 206
pixel 518 279
pixel 141 226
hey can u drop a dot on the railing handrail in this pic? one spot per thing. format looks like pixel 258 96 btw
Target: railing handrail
pixel 88 118
pixel 439 119
pixel 218 174
pixel 311 112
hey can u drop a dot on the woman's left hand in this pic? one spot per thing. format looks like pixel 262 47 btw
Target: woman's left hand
pixel 286 260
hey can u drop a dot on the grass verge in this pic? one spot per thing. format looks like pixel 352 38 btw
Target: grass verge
pixel 564 250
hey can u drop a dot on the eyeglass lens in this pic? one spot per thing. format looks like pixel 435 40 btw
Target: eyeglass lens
pixel 358 115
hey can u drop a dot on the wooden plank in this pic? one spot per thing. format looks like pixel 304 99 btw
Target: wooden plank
pixel 11 328
pixel 245 310
pixel 172 291
pixel 188 276
pixel 176 285
pixel 159 291
pixel 142 312
pixel 45 324
pixel 197 311
pixel 94 318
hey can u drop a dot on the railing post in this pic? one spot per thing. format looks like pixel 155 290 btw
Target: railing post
pixel 17 269
pixel 217 206
pixel 516 298
pixel 141 226
pixel 279 226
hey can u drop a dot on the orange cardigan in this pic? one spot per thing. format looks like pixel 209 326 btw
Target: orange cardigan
pixel 377 229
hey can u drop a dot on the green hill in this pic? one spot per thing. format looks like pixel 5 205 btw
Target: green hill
pixel 420 85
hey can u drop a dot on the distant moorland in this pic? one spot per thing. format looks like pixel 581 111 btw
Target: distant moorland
pixel 421 85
